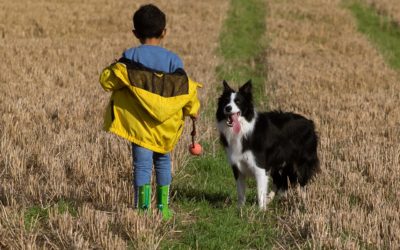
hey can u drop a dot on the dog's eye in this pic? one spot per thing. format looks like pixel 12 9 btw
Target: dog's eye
pixel 237 101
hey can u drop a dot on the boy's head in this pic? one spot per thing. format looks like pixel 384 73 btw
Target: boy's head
pixel 149 22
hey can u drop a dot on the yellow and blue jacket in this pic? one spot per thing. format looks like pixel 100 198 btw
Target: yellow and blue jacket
pixel 146 107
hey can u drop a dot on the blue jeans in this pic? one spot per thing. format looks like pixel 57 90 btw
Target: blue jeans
pixel 143 160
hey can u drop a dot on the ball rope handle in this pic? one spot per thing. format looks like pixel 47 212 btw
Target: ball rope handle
pixel 193 133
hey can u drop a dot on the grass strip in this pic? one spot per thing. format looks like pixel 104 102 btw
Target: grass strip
pixel 242 46
pixel 379 29
pixel 207 215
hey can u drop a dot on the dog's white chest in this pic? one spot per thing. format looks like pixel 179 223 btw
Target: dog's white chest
pixel 246 164
pixel 244 161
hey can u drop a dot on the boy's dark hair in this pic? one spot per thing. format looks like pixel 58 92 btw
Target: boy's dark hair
pixel 149 22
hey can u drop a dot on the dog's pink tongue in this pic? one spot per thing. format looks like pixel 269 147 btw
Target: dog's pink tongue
pixel 235 122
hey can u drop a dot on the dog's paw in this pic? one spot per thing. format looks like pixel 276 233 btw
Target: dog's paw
pixel 281 194
pixel 270 196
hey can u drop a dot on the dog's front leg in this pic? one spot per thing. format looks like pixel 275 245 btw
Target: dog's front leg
pixel 241 190
pixel 240 185
pixel 262 188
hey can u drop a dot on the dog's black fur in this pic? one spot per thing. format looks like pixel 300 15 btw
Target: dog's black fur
pixel 283 143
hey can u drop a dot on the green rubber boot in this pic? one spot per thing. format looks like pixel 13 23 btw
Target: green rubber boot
pixel 144 199
pixel 163 200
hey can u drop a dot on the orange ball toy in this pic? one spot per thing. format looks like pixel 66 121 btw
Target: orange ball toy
pixel 195 149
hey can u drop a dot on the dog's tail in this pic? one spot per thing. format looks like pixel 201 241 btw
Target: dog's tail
pixel 307 168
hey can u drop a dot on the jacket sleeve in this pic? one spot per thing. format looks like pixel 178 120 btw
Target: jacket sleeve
pixel 193 106
pixel 114 77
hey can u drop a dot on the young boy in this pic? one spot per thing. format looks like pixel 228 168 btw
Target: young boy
pixel 151 95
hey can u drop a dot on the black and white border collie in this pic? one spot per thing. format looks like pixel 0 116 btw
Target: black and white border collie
pixel 280 145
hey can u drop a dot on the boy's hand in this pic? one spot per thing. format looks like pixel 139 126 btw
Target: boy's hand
pixel 194 118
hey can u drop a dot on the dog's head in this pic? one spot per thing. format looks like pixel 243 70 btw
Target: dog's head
pixel 235 105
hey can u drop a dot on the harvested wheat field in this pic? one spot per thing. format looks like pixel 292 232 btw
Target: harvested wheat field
pixel 66 184
pixel 53 155
pixel 320 66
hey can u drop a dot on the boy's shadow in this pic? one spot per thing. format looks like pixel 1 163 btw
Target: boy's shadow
pixel 216 199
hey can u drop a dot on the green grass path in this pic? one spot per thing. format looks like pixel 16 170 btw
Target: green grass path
pixel 380 30
pixel 205 203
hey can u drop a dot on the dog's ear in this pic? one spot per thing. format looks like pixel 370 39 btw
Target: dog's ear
pixel 227 88
pixel 246 88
